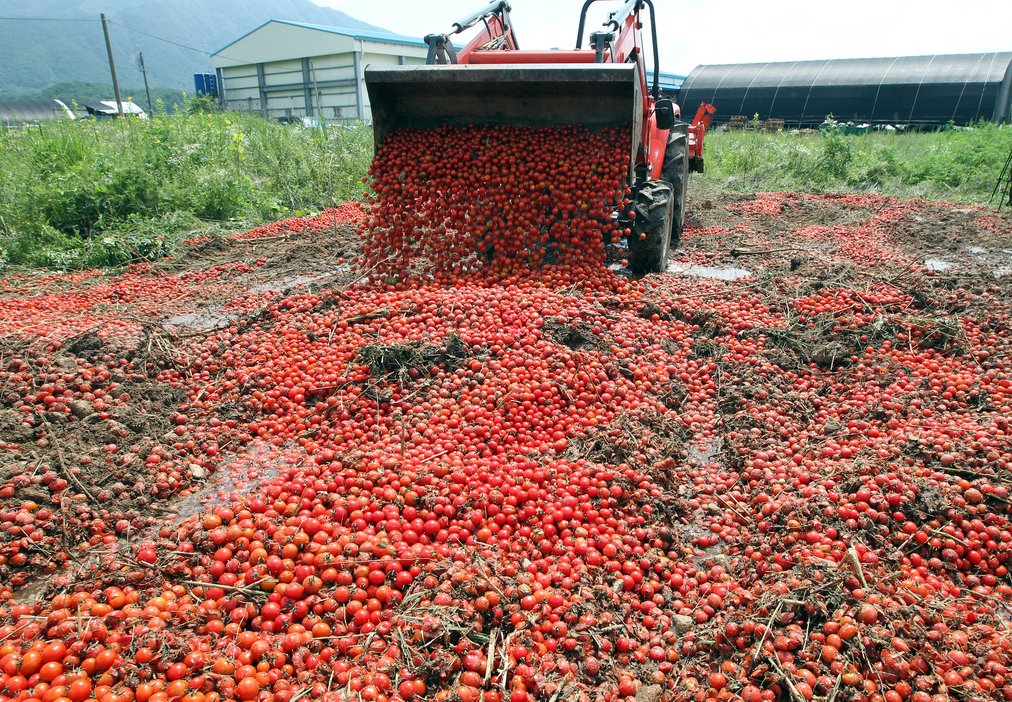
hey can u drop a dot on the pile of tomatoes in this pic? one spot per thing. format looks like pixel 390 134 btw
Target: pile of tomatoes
pixel 454 202
pixel 520 477
pixel 322 223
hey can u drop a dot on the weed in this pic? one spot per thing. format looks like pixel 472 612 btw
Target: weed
pixel 91 193
pixel 94 193
pixel 955 165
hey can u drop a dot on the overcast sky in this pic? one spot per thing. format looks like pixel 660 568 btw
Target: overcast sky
pixel 693 32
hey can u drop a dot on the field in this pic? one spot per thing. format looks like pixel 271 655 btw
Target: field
pixel 74 195
pixel 270 466
pixel 109 193
pixel 956 166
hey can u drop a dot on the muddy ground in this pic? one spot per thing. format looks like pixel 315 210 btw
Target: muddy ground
pixel 89 362
pixel 79 469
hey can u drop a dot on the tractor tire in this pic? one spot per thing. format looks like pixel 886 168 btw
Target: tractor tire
pixel 676 171
pixel 648 243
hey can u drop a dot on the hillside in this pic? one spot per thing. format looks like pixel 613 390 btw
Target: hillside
pixel 36 54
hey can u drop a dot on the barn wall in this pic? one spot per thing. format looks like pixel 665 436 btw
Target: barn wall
pixel 294 72
pixel 277 41
pixel 1003 108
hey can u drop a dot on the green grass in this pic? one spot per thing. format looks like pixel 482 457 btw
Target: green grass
pixel 86 193
pixel 958 165
pixel 92 193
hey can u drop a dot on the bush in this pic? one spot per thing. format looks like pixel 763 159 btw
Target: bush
pixel 200 104
pixel 88 192
pixel 837 154
pixel 956 165
pixel 86 197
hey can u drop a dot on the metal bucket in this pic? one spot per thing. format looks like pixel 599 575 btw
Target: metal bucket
pixel 537 95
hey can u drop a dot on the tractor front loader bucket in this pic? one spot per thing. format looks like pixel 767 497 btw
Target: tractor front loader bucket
pixel 536 95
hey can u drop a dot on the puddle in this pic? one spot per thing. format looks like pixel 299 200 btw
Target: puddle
pixel 997 262
pixel 938 264
pixel 214 317
pixel 727 273
pixel 694 528
pixel 705 454
pixel 282 284
pixel 245 474
pixel 209 318
pixel 294 281
pixel 248 472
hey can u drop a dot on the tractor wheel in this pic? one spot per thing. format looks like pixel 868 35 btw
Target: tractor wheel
pixel 676 171
pixel 648 243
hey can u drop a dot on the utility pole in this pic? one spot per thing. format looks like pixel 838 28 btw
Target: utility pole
pixel 112 65
pixel 147 88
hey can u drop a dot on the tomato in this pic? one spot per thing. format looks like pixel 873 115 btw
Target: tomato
pixel 867 614
pixel 176 671
pixel 248 688
pixel 491 453
pixel 79 689
pixel 31 662
pixel 54 652
pixel 50 671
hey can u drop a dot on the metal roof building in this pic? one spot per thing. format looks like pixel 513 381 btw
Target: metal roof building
pixel 911 90
pixel 286 70
pixel 31 111
pixel 669 83
pixel 107 108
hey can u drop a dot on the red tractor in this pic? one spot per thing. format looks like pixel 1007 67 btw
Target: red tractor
pixel 491 80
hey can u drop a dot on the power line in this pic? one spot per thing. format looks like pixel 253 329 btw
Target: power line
pixel 47 19
pixel 167 41
pixel 170 41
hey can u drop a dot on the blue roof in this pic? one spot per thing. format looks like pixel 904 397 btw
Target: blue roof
pixel 364 34
pixel 671 78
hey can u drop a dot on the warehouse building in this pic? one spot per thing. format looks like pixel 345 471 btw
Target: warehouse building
pixel 924 91
pixel 292 70
pixel 106 109
pixel 15 112
pixel 669 83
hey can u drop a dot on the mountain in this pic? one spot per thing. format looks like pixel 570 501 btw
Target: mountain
pixel 57 46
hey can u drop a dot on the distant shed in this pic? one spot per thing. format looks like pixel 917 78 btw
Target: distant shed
pixel 669 83
pixel 912 90
pixel 107 108
pixel 285 70
pixel 31 111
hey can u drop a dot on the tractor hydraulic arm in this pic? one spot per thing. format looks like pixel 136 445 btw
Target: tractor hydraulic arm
pixel 497 34
pixel 697 134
